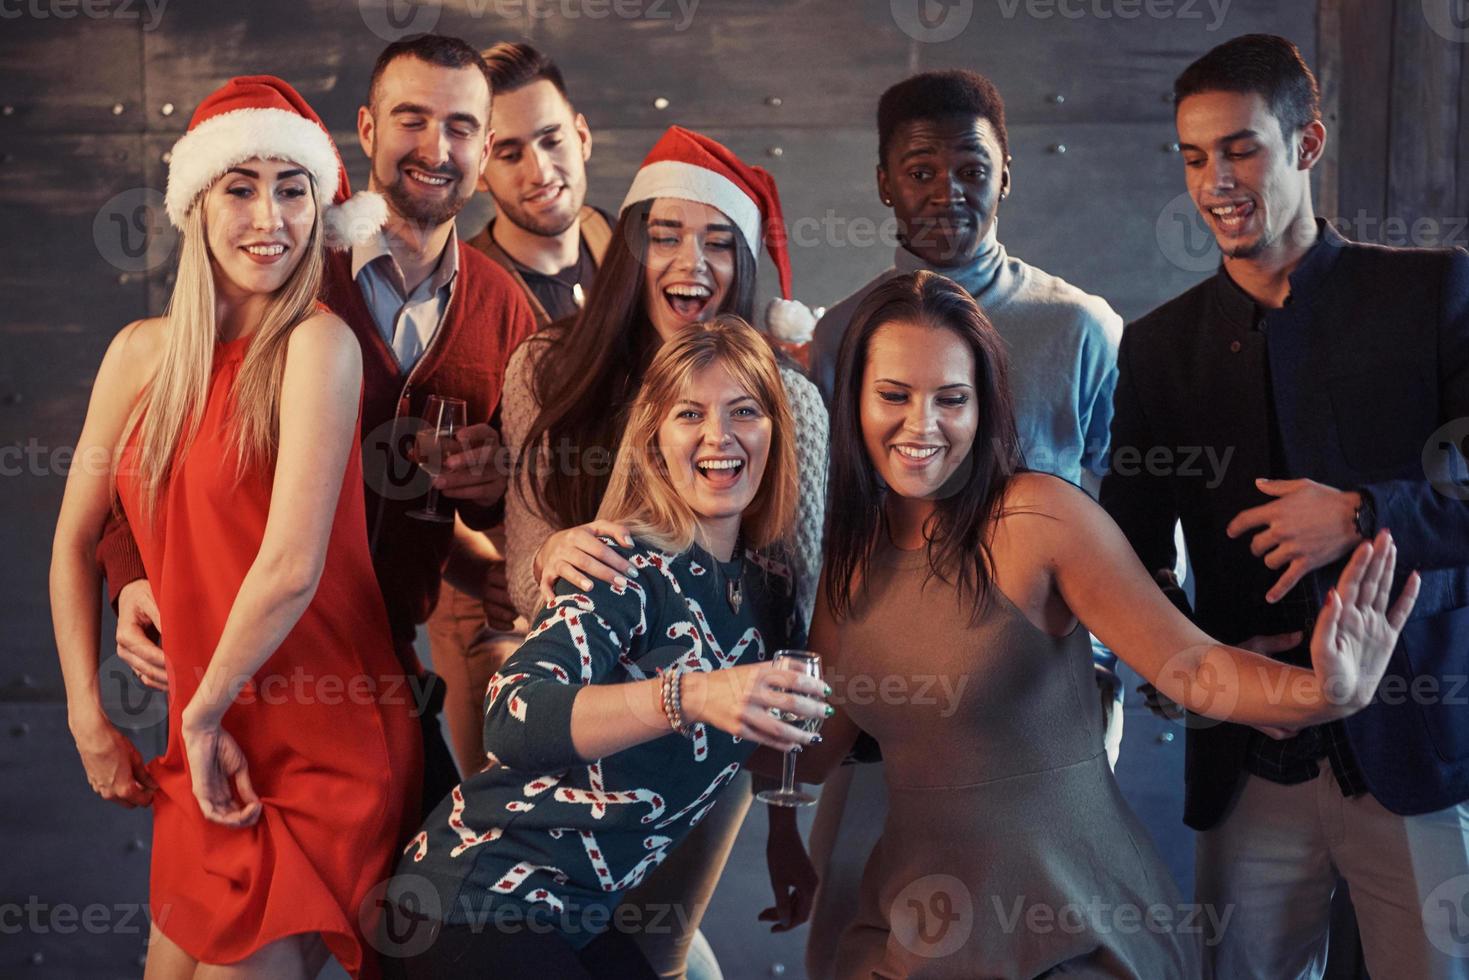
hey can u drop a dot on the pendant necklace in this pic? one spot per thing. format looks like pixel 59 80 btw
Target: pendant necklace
pixel 734 589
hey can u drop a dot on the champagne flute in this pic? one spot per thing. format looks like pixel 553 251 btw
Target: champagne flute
pixel 802 662
pixel 432 444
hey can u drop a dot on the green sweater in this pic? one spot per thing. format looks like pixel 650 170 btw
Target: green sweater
pixel 544 834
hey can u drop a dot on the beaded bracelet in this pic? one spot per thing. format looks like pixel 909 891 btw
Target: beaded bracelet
pixel 672 698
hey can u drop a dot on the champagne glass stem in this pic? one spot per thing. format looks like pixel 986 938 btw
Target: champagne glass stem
pixel 788 773
pixel 432 505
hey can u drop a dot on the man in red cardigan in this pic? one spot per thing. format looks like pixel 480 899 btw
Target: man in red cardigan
pixel 434 317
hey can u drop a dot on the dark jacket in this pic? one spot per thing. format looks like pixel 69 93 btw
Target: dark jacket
pixel 1368 368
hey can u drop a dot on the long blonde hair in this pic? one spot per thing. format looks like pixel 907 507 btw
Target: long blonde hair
pixel 641 494
pixel 167 415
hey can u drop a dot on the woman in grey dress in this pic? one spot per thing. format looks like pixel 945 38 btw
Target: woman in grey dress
pixel 954 596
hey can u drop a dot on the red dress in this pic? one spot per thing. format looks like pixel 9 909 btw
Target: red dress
pixel 326 724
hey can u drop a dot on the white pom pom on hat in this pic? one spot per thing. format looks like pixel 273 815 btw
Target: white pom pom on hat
pixel 261 116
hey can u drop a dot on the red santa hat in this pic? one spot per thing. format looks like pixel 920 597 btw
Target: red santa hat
pixel 690 166
pixel 261 116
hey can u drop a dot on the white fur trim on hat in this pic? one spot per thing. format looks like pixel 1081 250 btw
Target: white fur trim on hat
pixel 356 220
pixel 209 149
pixel 690 182
pixel 790 320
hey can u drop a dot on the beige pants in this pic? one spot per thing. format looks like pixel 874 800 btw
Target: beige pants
pixel 466 653
pixel 1274 860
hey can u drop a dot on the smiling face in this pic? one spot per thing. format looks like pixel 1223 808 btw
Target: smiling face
pixel 258 218
pixel 945 178
pixel 427 135
pixel 1249 181
pixel 715 442
pixel 537 171
pixel 918 408
pixel 689 265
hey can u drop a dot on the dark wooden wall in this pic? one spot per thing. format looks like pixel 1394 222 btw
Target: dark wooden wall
pixel 92 97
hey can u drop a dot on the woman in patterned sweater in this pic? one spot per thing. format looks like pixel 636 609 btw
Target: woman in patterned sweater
pixel 684 249
pixel 629 708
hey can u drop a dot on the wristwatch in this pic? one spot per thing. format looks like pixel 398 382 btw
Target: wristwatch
pixel 1365 518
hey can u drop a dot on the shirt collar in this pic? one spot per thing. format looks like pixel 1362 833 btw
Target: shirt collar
pixel 366 253
pixel 1239 307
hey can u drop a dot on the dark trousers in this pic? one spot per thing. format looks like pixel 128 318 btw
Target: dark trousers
pixel 440 775
pixel 477 952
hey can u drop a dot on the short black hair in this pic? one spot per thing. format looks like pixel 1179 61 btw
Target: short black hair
pixel 936 94
pixel 436 49
pixel 1263 64
pixel 515 64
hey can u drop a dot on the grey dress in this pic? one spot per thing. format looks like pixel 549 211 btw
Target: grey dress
pixel 1008 850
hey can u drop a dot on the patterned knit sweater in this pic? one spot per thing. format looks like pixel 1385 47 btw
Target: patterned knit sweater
pixel 526 529
pixel 544 833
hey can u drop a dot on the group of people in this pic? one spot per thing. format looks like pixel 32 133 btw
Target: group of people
pixel 932 498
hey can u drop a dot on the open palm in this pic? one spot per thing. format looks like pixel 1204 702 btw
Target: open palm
pixel 1356 631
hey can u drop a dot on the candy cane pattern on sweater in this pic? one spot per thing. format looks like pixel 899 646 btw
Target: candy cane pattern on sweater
pixel 725 775
pixel 598 798
pixel 656 846
pixel 467 837
pixel 516 876
pixel 498 683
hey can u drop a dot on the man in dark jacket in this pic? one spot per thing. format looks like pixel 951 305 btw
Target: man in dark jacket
pixel 1336 377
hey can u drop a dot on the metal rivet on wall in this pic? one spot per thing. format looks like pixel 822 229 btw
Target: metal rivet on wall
pixel 1170 147
pixel 167 156
pixel 166 108
pixel 118 108
pixel 1166 737
pixel 7 110
pixel 660 103
pixel 38 959
pixel 774 101
pixel 136 844
pixel 124 279
pixel 25 680
pixel 1056 148
pixel 777 969
pixel 776 151
pixel 1056 99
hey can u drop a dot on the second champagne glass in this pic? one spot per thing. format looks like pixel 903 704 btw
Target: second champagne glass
pixel 433 443
pixel 802 662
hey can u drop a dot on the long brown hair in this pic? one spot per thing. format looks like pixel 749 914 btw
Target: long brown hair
pixel 958 532
pixel 590 370
pixel 641 494
pixel 167 415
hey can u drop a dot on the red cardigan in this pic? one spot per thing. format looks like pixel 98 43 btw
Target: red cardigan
pixel 487 317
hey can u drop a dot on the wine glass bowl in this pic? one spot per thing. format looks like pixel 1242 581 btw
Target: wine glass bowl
pixel 432 444
pixel 808 663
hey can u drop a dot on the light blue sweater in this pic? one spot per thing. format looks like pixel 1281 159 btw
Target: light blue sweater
pixel 1063 354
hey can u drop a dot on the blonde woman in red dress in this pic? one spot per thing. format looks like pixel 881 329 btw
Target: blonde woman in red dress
pixel 232 421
